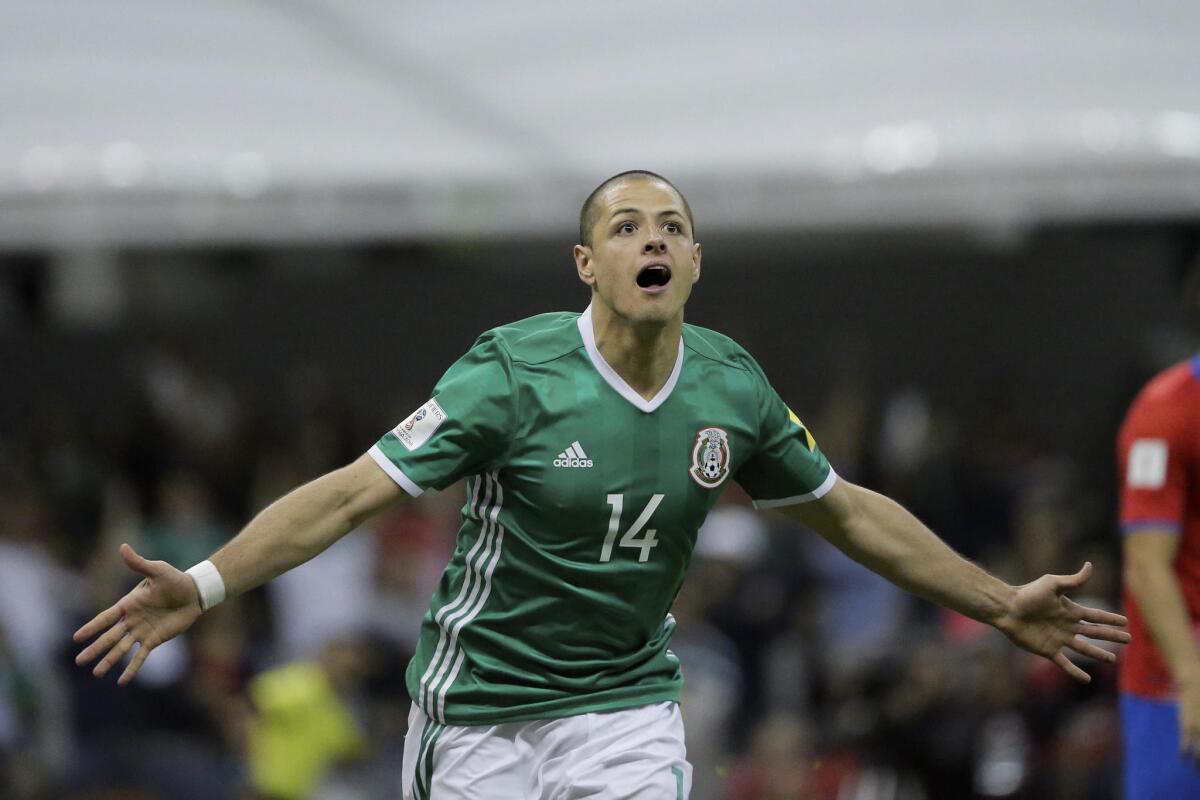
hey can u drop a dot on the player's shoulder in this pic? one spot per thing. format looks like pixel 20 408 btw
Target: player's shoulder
pixel 717 348
pixel 540 338
pixel 1172 395
pixel 1174 383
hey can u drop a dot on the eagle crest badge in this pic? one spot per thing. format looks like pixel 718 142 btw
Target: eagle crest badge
pixel 710 457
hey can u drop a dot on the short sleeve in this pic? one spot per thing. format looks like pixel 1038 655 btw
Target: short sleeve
pixel 1152 457
pixel 786 467
pixel 464 429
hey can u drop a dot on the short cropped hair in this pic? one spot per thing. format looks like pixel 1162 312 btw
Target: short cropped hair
pixel 590 209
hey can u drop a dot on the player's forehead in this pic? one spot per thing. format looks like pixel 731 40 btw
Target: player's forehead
pixel 648 196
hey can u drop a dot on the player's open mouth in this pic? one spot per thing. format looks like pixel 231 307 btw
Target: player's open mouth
pixel 654 276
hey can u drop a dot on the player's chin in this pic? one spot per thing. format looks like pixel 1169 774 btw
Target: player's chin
pixel 651 308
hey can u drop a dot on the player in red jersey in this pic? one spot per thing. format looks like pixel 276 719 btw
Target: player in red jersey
pixel 1158 452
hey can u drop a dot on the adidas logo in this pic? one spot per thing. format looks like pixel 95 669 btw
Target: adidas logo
pixel 573 456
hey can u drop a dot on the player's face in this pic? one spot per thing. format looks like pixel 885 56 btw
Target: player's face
pixel 642 261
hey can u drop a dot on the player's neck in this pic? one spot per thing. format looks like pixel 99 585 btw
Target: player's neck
pixel 643 355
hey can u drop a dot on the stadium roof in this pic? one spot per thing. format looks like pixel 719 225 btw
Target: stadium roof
pixel 145 121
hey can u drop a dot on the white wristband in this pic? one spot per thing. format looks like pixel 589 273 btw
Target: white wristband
pixel 208 582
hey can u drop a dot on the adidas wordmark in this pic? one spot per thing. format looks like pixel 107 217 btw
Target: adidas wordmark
pixel 573 456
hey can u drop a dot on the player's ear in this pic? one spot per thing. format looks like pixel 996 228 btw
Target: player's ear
pixel 695 262
pixel 583 264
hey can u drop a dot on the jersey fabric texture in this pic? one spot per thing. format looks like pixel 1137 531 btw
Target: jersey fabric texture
pixel 1158 455
pixel 583 503
pixel 633 754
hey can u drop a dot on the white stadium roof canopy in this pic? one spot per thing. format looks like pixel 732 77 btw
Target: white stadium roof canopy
pixel 145 122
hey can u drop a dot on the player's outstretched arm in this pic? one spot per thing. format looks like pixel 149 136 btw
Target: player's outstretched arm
pixel 285 534
pixel 1039 617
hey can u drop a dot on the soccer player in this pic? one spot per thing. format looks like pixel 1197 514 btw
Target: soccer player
pixel 593 445
pixel 1158 452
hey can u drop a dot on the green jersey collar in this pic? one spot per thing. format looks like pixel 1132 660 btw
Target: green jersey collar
pixel 616 381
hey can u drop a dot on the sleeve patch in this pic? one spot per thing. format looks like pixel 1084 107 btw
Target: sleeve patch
pixel 808 438
pixel 1147 468
pixel 420 425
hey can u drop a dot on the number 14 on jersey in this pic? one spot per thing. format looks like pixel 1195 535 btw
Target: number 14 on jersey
pixel 645 543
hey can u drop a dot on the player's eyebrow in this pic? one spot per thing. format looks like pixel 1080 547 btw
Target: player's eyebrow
pixel 661 214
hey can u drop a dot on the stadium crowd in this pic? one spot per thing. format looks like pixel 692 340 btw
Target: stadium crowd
pixel 807 677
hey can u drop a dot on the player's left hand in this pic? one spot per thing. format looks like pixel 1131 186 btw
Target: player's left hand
pixel 1043 620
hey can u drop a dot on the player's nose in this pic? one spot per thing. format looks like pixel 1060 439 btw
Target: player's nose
pixel 655 244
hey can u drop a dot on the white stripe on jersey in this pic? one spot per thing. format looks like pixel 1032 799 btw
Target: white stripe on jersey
pixel 452 623
pixel 449 682
pixel 457 625
pixel 440 616
pixel 579 449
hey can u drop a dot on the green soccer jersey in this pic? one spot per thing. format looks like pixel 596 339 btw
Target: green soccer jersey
pixel 583 503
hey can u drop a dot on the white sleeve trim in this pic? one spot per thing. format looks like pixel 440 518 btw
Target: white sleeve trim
pixel 394 472
pixel 815 494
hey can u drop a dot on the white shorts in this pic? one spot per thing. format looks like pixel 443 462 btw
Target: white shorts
pixel 632 754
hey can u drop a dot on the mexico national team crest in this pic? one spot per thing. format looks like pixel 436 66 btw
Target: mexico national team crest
pixel 710 457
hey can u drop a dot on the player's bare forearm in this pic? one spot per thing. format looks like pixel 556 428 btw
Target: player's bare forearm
pixel 883 536
pixel 1036 616
pixel 303 523
pixel 1149 556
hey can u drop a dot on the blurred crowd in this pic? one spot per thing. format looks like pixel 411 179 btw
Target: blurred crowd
pixel 806 676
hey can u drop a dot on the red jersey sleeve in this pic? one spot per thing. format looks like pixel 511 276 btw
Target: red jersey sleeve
pixel 1154 454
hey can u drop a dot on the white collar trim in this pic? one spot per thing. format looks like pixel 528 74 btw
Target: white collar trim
pixel 588 332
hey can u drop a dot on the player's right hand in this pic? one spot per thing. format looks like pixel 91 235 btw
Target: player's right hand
pixel 162 606
pixel 1189 720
